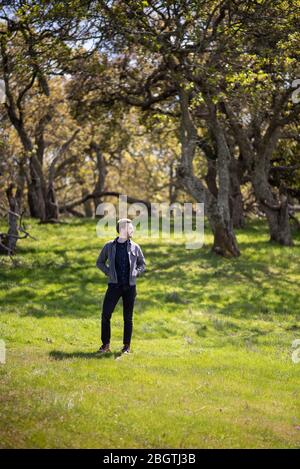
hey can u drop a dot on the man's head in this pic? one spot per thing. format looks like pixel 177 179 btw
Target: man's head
pixel 125 228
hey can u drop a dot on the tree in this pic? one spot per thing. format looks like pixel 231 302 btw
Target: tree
pixel 255 95
pixel 24 65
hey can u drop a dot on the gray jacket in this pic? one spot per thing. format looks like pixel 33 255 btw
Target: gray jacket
pixel 136 261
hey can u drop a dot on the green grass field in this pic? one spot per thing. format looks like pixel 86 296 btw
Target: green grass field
pixel 211 365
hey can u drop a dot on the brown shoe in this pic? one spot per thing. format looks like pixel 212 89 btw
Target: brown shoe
pixel 104 349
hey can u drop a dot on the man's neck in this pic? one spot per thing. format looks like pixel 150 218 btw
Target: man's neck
pixel 121 240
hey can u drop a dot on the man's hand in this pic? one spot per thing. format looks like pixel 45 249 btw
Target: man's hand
pixel 140 263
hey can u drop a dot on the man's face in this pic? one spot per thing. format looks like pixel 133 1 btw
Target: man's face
pixel 126 231
pixel 130 229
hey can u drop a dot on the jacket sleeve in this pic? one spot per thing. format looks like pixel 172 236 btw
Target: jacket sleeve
pixel 101 261
pixel 141 263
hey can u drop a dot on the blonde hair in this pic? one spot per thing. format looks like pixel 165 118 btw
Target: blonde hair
pixel 122 221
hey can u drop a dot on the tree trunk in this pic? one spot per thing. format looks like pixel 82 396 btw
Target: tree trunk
pixel 21 182
pixel 42 200
pixel 220 214
pixel 9 240
pixel 211 177
pixel 102 172
pixel 277 214
pixel 87 205
pixel 225 242
pixel 52 210
pixel 36 202
pixel 236 198
pixel 279 225
pixel 216 208
pixel 173 186
pixel 257 156
pixel 36 190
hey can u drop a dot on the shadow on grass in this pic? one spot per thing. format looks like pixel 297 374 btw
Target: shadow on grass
pixel 59 355
pixel 68 284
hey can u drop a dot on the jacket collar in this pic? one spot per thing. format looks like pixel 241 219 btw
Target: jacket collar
pixel 128 242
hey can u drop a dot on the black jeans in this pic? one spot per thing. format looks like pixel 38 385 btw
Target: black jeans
pixel 111 298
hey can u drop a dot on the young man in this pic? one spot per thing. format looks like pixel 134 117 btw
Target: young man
pixel 126 263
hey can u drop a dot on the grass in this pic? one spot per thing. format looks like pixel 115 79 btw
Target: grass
pixel 211 364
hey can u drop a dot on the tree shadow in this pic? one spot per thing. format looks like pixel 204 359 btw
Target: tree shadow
pixel 68 285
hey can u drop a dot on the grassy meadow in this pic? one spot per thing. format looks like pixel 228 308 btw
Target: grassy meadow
pixel 211 362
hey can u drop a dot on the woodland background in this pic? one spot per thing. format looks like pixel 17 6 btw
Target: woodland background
pixel 164 101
